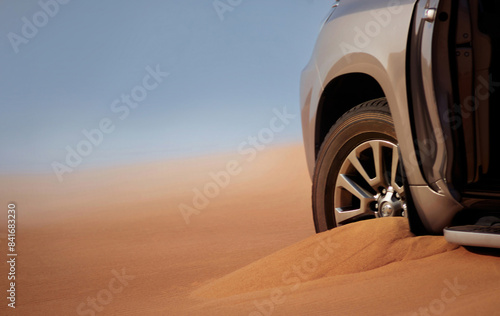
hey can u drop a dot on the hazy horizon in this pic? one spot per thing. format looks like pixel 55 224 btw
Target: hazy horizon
pixel 166 80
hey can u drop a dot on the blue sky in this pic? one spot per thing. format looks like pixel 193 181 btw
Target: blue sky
pixel 225 76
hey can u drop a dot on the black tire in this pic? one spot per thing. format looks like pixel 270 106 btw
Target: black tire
pixel 366 128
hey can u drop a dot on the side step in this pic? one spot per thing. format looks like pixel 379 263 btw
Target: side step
pixel 474 235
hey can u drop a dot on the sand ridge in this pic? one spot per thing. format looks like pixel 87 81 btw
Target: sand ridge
pixel 350 249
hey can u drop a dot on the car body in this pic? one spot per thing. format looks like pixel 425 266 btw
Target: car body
pixel 431 64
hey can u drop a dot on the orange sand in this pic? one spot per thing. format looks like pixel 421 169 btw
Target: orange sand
pixel 251 251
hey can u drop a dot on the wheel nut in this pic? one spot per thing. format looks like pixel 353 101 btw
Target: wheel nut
pixel 384 191
pixel 397 195
pixel 376 206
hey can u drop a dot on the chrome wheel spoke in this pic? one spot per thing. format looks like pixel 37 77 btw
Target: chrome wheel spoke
pixel 378 161
pixel 365 199
pixel 345 182
pixel 353 159
pixel 394 171
pixel 342 216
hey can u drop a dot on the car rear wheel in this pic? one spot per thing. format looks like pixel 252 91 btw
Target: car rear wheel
pixel 357 174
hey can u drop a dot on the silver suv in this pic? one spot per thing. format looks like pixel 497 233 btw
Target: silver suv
pixel 399 106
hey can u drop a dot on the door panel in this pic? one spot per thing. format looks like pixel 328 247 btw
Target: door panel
pixel 450 60
pixel 430 143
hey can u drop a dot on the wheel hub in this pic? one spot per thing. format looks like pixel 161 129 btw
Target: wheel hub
pixel 389 203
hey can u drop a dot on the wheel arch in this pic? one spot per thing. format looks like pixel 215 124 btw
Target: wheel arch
pixel 339 96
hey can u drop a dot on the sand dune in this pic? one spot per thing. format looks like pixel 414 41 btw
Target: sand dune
pixel 251 250
pixel 375 267
pixel 349 249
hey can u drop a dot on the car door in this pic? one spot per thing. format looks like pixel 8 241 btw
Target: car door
pixel 449 59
